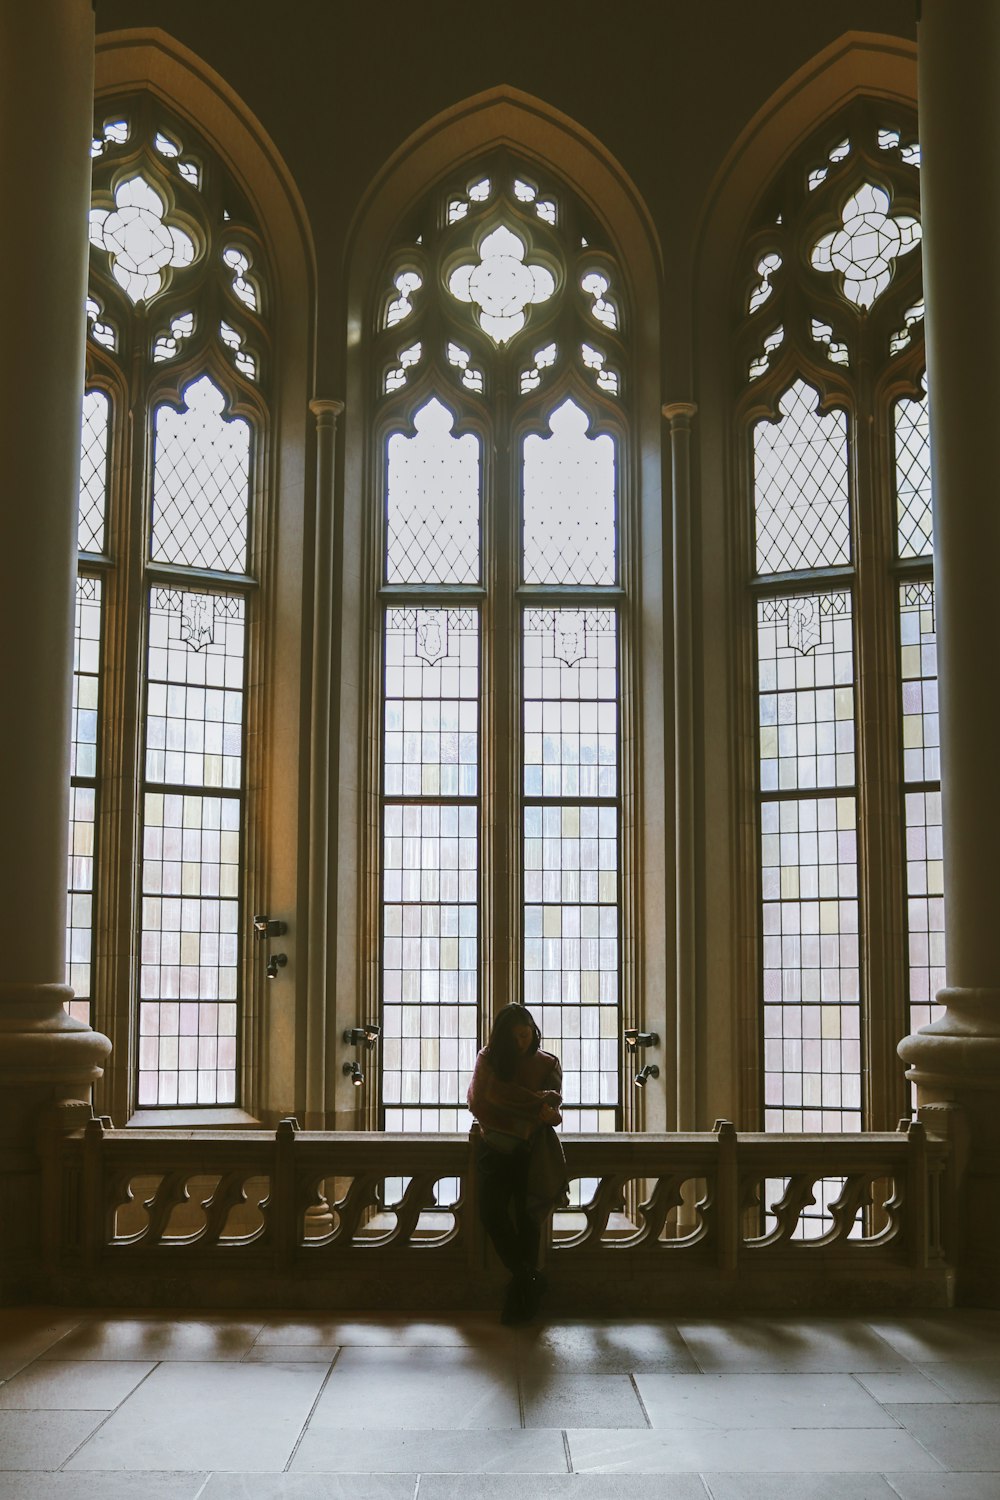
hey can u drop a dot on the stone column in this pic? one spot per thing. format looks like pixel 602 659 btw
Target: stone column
pixel 46 1059
pixel 680 414
pixel 956 1061
pixel 322 1072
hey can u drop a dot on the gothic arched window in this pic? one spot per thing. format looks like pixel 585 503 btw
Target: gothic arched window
pixel 500 557
pixel 837 547
pixel 170 539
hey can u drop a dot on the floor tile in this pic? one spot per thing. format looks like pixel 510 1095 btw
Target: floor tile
pixel 152 1338
pixel 336 1450
pixel 945 1486
pixel 962 1334
pixel 965 1379
pixel 728 1402
pixel 581 1401
pixel 799 1487
pixel 43 1440
pixel 208 1416
pixel 564 1487
pixel 80 1385
pixel 419 1388
pixel 26 1332
pixel 283 1354
pixel 101 1486
pixel 310 1487
pixel 903 1385
pixel 787 1451
pixel 610 1345
pixel 960 1437
pixel 825 1345
pixel 394 1332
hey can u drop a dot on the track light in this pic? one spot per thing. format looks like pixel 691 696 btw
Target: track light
pixel 363 1036
pixel 353 1071
pixel 275 962
pixel 635 1039
pixel 648 1072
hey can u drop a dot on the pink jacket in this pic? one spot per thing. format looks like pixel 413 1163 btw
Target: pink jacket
pixel 514 1107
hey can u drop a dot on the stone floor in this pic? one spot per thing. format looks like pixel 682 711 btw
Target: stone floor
pixel 257 1406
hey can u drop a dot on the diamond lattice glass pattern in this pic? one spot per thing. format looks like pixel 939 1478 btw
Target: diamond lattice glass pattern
pixel 812 1015
pixel 201 483
pixel 189 949
pixel 432 502
pixel 921 775
pixel 140 245
pixel 806 692
pixel 83 795
pixel 801 490
pixel 864 248
pixel 194 704
pixel 570 703
pixel 502 285
pixel 914 516
pixel 569 488
pixel 93 471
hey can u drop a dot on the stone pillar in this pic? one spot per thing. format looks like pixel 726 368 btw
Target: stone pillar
pixel 956 1061
pixel 680 414
pixel 46 1059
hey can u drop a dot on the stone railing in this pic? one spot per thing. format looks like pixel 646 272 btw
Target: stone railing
pixel 301 1218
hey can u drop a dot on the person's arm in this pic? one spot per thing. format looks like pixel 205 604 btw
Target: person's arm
pixel 551 1110
pixel 512 1098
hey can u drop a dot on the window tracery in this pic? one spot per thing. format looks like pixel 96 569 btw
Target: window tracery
pixel 831 347
pixel 178 334
pixel 500 366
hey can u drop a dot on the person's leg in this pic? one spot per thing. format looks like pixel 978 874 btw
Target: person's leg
pixel 497 1185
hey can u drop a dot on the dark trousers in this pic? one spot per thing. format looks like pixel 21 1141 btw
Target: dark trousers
pixel 503 1186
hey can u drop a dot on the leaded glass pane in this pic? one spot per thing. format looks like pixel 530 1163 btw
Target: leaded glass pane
pixel 812 1015
pixel 93 471
pixel 801 490
pixel 430 957
pixel 189 949
pixel 140 244
pixel 83 794
pixel 201 483
pixel 431 702
pixel 571 958
pixel 806 692
pixel 570 703
pixel 432 502
pixel 864 249
pixel 922 803
pixel 569 490
pixel 194 706
pixel 915 528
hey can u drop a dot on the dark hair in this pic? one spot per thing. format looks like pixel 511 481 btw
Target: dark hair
pixel 501 1049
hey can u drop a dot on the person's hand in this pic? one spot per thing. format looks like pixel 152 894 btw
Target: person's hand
pixel 549 1114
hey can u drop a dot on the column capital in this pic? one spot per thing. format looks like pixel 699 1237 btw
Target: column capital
pixel 680 413
pixel 326 412
pixel 961 1050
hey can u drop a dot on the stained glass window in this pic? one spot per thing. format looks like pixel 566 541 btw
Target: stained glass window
pixel 182 496
pixel 492 488
pixel 824 502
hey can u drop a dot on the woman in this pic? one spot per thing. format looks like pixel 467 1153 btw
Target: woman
pixel 516 1091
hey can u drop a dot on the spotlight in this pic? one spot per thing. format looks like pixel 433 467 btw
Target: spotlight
pixel 275 962
pixel 362 1036
pixel 265 927
pixel 635 1039
pixel 648 1072
pixel 353 1071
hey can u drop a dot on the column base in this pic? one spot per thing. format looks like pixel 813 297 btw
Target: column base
pixel 955 1064
pixel 48 1063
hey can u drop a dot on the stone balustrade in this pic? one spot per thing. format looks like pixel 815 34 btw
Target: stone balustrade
pixel 295 1218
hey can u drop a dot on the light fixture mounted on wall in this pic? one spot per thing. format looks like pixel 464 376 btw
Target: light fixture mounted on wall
pixel 363 1036
pixel 648 1072
pixel 275 962
pixel 268 927
pixel 353 1071
pixel 634 1039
